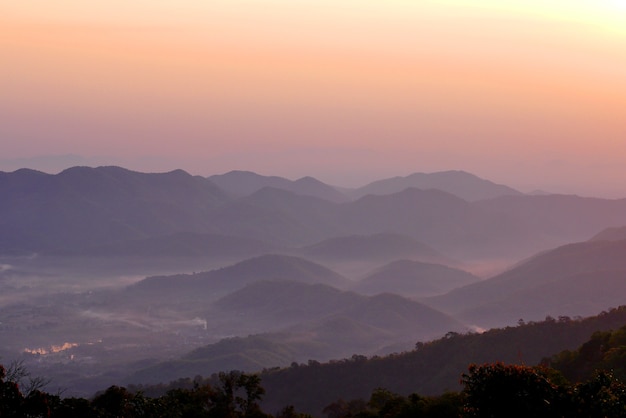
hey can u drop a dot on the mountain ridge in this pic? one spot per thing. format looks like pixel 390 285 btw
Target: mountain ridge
pixel 457 182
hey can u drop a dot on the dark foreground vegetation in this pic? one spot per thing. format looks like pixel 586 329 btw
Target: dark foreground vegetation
pixel 490 390
pixel 587 382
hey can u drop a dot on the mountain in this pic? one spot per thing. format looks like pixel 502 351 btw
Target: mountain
pixel 446 222
pixel 283 303
pixel 252 353
pixel 102 207
pixel 394 313
pixel 610 234
pixel 313 187
pixel 94 207
pixel 279 304
pixel 568 218
pixel 278 215
pixel 317 321
pixel 381 246
pixel 431 368
pixel 576 295
pixel 459 183
pixel 82 206
pixel 414 279
pixel 375 324
pixel 412 211
pixel 244 183
pixel 199 289
pixel 603 351
pixel 554 280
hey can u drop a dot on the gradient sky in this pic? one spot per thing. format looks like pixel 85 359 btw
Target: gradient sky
pixel 529 93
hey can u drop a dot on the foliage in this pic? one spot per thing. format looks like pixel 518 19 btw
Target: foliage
pixel 236 396
pixel 490 390
pixel 494 390
pixel 383 403
pixel 497 390
pixel 432 367
pixel 603 351
pixel 13 403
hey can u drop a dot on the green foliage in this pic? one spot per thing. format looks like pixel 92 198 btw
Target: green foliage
pixel 603 351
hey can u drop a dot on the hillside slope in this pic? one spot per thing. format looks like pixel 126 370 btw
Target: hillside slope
pixel 554 280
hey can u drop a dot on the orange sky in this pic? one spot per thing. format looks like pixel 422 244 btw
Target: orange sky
pixel 528 93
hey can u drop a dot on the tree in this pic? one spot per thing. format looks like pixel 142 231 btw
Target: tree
pixel 228 402
pixel 602 396
pixel 499 390
pixel 114 402
pixel 11 399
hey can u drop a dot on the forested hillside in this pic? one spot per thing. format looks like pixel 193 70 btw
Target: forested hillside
pixel 431 369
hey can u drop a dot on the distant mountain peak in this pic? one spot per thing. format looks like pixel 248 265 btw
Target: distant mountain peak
pixel 245 183
pixel 457 182
pixel 610 234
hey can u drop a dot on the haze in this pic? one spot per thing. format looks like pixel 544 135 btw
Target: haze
pixel 529 93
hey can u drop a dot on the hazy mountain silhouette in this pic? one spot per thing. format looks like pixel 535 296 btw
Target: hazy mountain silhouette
pixel 271 306
pixel 566 217
pixel 412 211
pixel 205 287
pixel 530 282
pixel 395 313
pixel 443 221
pixel 457 228
pixel 322 323
pixel 459 183
pixel 82 206
pixel 110 210
pixel 414 279
pixel 91 207
pixel 279 216
pixel 283 303
pixel 251 353
pixel 376 323
pixel 244 183
pixel 576 295
pixel 610 234
pixel 311 186
pixel 274 305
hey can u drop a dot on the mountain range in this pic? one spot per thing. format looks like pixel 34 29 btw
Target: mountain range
pixel 271 271
pixel 302 321
pixel 85 207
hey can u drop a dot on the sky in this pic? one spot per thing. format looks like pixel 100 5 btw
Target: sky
pixel 530 93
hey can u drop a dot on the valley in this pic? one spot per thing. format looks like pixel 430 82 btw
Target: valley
pixel 171 276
